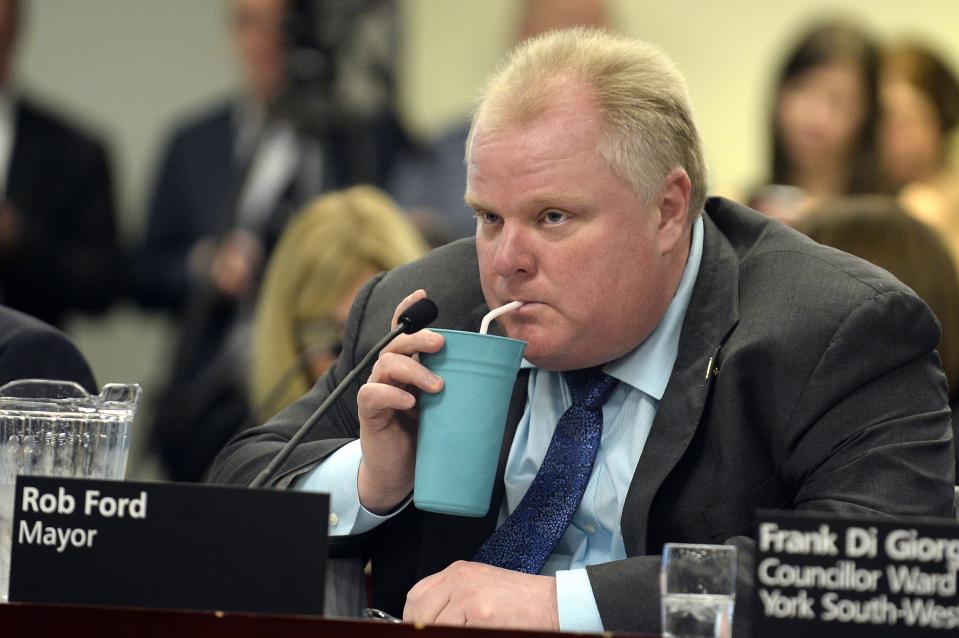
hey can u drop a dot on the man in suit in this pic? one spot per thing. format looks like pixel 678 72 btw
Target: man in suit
pixel 229 181
pixel 204 241
pixel 744 366
pixel 231 177
pixel 58 240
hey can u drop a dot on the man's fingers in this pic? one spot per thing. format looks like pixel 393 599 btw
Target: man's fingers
pixel 406 303
pixel 373 398
pixel 422 341
pixel 427 600
pixel 476 594
pixel 451 615
pixel 395 369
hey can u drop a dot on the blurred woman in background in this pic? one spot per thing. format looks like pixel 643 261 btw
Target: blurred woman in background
pixel 824 122
pixel 324 257
pixel 878 230
pixel 920 110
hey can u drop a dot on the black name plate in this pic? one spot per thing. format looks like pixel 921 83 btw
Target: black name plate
pixel 830 575
pixel 168 545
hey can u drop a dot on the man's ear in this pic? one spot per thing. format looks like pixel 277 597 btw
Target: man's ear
pixel 673 204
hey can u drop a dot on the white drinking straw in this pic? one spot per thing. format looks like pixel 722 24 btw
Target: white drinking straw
pixel 493 314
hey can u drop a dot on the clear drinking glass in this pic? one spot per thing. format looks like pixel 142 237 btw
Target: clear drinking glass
pixel 698 587
pixel 56 428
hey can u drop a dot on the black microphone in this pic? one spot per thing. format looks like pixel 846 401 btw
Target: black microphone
pixel 418 316
pixel 415 318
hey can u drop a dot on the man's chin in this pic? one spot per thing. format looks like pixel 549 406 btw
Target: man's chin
pixel 558 357
pixel 541 350
pixel 545 357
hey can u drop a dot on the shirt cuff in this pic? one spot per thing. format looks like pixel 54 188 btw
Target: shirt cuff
pixel 576 603
pixel 336 475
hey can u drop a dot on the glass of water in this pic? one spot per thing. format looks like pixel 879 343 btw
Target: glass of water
pixel 698 586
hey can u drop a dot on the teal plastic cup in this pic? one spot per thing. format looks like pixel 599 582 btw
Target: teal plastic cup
pixel 461 426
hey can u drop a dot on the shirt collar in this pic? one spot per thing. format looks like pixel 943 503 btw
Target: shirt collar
pixel 649 366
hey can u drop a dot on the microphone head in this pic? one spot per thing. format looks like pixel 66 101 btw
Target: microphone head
pixel 418 316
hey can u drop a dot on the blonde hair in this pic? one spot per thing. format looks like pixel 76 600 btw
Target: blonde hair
pixel 319 257
pixel 648 127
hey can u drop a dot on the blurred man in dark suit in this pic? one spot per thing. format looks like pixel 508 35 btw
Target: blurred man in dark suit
pixel 233 175
pixel 58 239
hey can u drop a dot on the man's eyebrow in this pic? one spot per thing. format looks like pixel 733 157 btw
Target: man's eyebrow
pixel 558 200
pixel 472 202
pixel 550 200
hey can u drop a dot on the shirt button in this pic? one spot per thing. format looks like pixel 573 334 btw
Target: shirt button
pixel 334 519
pixel 590 528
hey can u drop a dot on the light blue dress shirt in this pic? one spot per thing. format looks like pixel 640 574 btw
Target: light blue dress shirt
pixel 594 535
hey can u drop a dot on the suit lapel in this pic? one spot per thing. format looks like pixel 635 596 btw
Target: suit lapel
pixel 221 168
pixel 712 313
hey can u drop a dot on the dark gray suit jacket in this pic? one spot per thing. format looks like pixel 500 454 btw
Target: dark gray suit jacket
pixel 806 379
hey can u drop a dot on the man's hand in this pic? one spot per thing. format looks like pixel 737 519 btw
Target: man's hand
pixel 476 594
pixel 389 416
pixel 235 263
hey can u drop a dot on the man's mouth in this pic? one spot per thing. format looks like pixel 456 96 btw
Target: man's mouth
pixel 525 308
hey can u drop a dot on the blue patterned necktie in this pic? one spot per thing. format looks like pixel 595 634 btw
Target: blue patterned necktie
pixel 526 539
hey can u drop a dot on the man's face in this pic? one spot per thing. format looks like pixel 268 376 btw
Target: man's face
pixel 258 33
pixel 561 232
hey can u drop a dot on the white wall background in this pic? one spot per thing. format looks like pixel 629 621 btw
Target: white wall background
pixel 129 68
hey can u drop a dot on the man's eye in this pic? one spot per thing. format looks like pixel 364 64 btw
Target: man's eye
pixel 554 217
pixel 487 218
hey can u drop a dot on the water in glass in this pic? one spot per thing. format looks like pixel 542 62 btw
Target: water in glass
pixel 697 616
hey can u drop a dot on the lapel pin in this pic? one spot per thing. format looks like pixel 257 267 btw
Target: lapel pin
pixel 711 369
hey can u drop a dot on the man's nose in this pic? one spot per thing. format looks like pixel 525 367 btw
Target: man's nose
pixel 513 254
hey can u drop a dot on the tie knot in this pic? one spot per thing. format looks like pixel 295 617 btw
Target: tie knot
pixel 589 387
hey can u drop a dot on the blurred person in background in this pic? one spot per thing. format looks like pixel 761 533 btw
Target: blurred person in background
pixel 326 253
pixel 824 121
pixel 232 176
pixel 920 110
pixel 58 239
pixel 205 242
pixel 880 231
pixel 428 182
